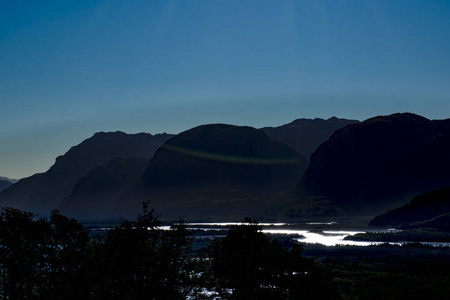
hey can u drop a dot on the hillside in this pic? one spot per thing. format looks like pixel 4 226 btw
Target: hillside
pixel 43 192
pixel 96 193
pixel 85 181
pixel 4 184
pixel 305 135
pixel 217 169
pixel 8 179
pixel 375 165
pixel 427 208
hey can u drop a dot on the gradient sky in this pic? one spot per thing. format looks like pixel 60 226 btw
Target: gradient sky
pixel 69 69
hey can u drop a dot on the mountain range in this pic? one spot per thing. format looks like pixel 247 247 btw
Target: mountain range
pixel 43 192
pixel 217 169
pixel 93 178
pixel 225 171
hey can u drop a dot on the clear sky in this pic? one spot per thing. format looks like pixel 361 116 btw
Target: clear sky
pixel 69 69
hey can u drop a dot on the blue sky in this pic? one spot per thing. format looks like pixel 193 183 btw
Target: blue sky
pixel 69 69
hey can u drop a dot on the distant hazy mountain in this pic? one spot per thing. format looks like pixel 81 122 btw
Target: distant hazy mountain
pixel 43 192
pixel 427 210
pixel 216 170
pixel 95 194
pixel 376 164
pixel 305 135
pixel 4 184
pixel 8 179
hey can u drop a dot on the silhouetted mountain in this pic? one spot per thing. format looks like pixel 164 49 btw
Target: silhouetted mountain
pixel 4 184
pixel 424 210
pixel 305 135
pixel 441 223
pixel 379 163
pixel 216 170
pixel 96 193
pixel 8 179
pixel 43 192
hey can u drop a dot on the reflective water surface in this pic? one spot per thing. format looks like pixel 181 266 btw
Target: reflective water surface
pixel 324 237
pixel 298 232
pixel 327 238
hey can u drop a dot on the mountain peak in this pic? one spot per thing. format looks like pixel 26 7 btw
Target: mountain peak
pixel 305 135
pixel 217 169
pixel 42 192
pixel 379 161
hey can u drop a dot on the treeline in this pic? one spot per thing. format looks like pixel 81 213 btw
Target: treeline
pixel 55 258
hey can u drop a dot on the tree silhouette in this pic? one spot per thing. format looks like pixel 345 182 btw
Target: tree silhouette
pixel 252 266
pixel 41 258
pixel 56 258
pixel 70 264
pixel 22 253
pixel 141 261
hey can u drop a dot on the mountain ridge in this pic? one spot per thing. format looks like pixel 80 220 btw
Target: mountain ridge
pixel 42 192
pixel 218 166
pixel 379 163
pixel 4 184
pixel 305 135
pixel 9 179
pixel 96 193
pixel 422 208
pixel 361 168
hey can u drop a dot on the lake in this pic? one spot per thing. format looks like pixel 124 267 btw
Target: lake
pixel 300 232
pixel 331 237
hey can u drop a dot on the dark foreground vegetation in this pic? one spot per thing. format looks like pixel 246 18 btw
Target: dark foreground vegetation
pixel 56 258
pixel 386 271
pixel 409 235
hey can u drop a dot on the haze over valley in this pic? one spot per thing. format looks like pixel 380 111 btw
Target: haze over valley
pixel 309 168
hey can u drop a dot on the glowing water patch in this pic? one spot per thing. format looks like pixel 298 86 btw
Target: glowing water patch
pixel 321 223
pixel 285 231
pixel 231 158
pixel 234 223
pixel 333 238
